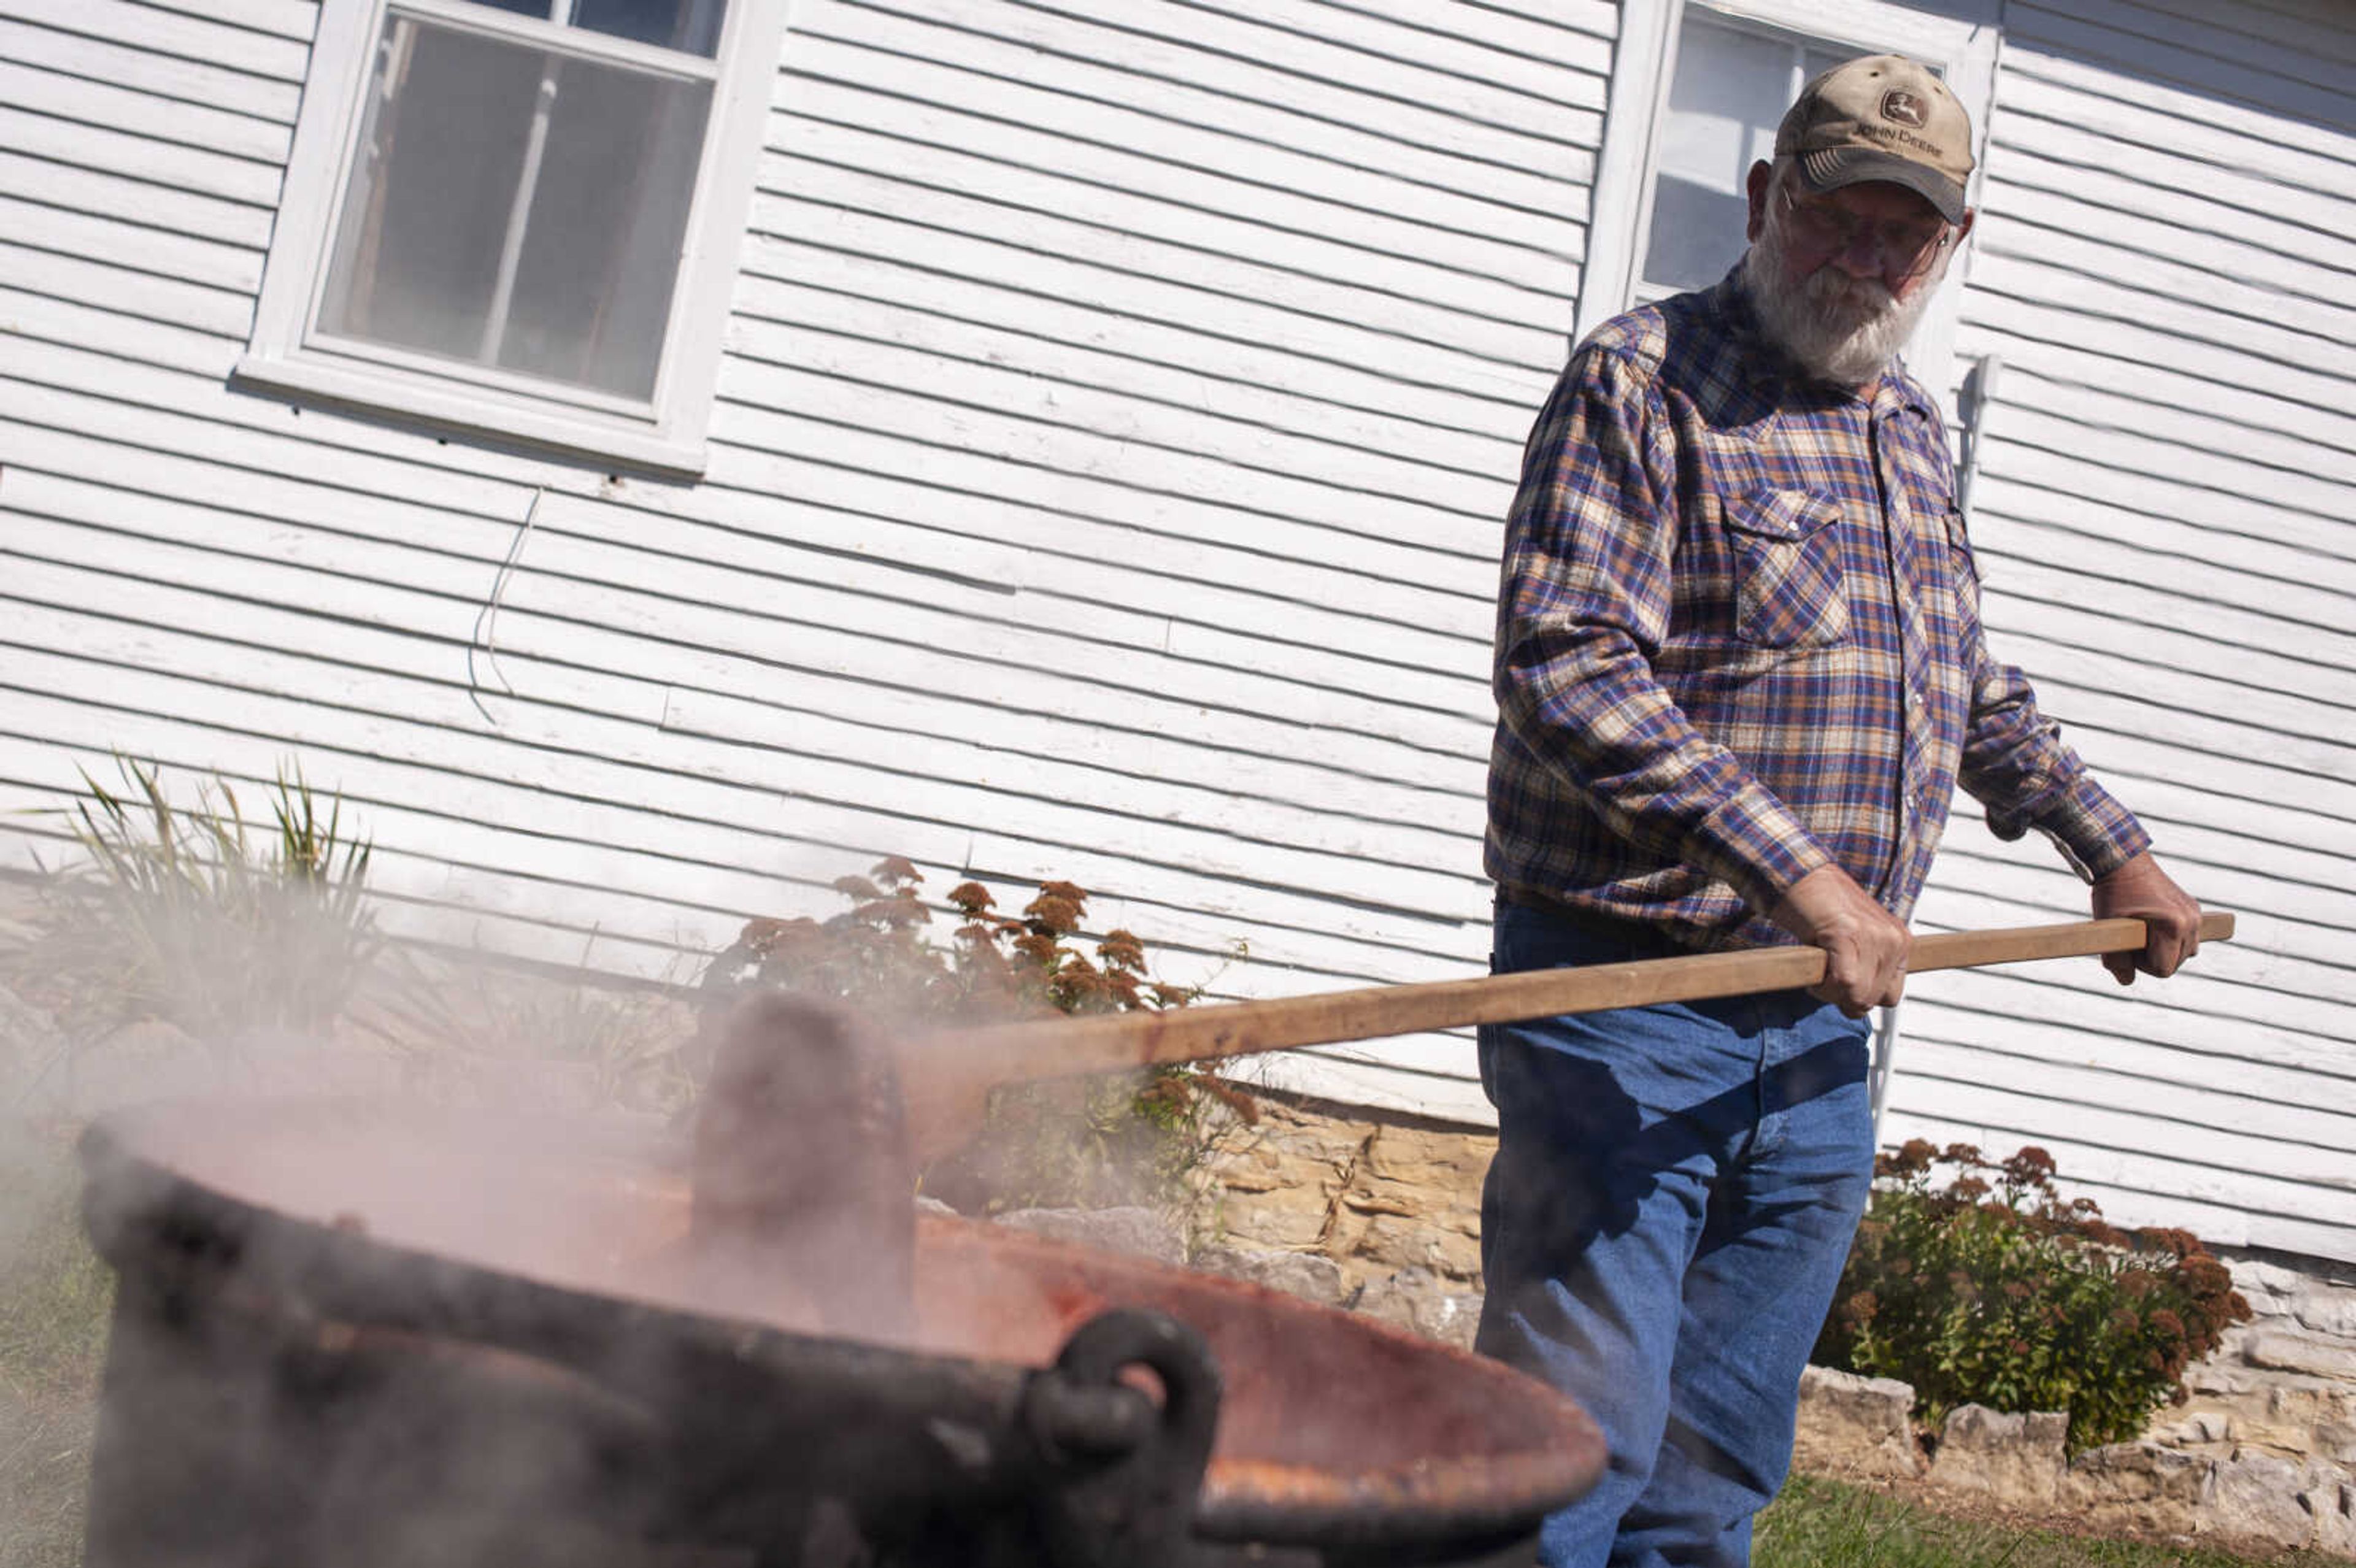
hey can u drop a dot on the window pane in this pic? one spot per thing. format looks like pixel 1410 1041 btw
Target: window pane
pixel 514 208
pixel 690 25
pixel 1730 89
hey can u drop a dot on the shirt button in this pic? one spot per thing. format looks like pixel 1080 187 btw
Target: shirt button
pixel 1914 696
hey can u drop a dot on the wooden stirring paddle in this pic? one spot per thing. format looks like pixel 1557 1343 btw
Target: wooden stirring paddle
pixel 946 1077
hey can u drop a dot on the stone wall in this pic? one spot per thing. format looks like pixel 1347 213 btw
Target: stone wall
pixel 1390 1204
pixel 1382 1213
pixel 2285 1383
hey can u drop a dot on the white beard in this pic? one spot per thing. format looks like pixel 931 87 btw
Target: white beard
pixel 1839 329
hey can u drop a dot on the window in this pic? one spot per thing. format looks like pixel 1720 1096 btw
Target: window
pixel 519 216
pixel 1727 95
pixel 1697 93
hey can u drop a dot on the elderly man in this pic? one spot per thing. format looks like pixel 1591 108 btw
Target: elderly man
pixel 1739 672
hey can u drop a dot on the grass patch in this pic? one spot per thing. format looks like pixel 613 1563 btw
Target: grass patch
pixel 1819 1523
pixel 54 1299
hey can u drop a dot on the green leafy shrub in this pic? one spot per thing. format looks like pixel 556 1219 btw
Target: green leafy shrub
pixel 194 915
pixel 1994 1290
pixel 1082 1142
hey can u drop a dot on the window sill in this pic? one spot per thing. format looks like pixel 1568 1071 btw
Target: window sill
pixel 580 435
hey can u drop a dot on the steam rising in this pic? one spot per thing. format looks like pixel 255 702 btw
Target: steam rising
pixel 279 1411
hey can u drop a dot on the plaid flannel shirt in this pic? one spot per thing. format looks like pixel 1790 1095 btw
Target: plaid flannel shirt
pixel 1738 637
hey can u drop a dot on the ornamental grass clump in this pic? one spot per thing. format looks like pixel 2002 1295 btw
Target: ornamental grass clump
pixel 1083 1142
pixel 195 914
pixel 1992 1289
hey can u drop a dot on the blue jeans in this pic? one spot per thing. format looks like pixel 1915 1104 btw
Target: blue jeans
pixel 1662 1231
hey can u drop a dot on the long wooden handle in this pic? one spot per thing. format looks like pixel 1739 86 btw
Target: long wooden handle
pixel 1065 1047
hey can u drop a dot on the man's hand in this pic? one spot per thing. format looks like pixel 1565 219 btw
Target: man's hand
pixel 1865 944
pixel 2141 891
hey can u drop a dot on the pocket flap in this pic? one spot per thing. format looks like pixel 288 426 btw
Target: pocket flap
pixel 1782 514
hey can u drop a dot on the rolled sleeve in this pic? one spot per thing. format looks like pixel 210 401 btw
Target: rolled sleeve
pixel 2017 765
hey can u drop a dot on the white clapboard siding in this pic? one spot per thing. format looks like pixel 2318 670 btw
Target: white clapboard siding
pixel 161 77
pixel 217 567
pixel 1191 452
pixel 1258 90
pixel 1382 63
pixel 1362 772
pixel 2105 88
pixel 172 33
pixel 783 323
pixel 2134 1187
pixel 92 104
pixel 2168 540
pixel 708 868
pixel 2182 187
pixel 1147 173
pixel 2207 56
pixel 2247 334
pixel 180 164
pixel 2016 498
pixel 2056 89
pixel 784 279
pixel 1105 485
pixel 1427 341
pixel 995 38
pixel 100 194
pixel 1119 406
pixel 220 302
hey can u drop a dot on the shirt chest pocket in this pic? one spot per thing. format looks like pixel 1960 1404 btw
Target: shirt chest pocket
pixel 1785 550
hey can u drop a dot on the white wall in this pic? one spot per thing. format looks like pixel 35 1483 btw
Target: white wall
pixel 1120 407
pixel 1121 403
pixel 2166 517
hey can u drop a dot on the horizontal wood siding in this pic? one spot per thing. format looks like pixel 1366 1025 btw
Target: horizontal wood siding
pixel 1119 402
pixel 1119 407
pixel 2166 521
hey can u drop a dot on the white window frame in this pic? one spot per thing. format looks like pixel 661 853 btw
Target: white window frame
pixel 664 433
pixel 1965 51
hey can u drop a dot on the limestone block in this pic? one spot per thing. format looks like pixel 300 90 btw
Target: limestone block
pixel 1143 1232
pixel 2257 1498
pixel 2292 1352
pixel 1277 1226
pixel 1422 1302
pixel 2291 1409
pixel 1256 1169
pixel 2334 1508
pixel 2336 1441
pixel 2329 1310
pixel 2291 1413
pixel 1447 1165
pixel 2140 1486
pixel 2194 1426
pixel 1305 1274
pixel 2226 1373
pixel 1856 1426
pixel 2270 1295
pixel 2018 1458
pixel 1388 1242
pixel 1329 1140
pixel 2254 1274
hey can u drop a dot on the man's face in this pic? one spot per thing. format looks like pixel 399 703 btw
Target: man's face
pixel 1841 277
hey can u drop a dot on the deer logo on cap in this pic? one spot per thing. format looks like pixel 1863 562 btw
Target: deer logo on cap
pixel 1904 107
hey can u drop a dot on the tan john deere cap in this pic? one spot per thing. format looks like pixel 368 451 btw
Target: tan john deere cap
pixel 1884 117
